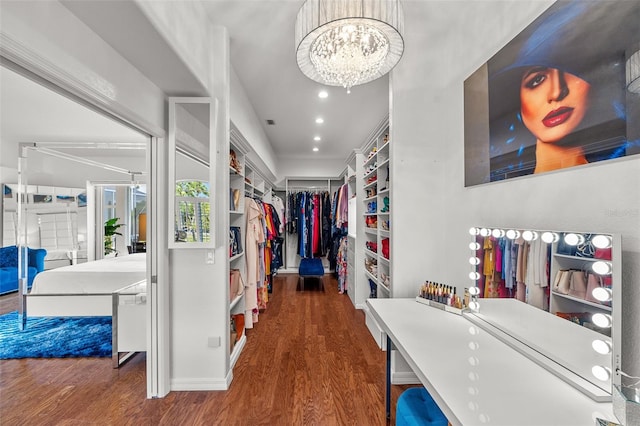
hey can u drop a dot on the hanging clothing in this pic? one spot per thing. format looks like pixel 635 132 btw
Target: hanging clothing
pixel 254 237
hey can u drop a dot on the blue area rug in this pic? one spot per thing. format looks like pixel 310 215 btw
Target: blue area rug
pixel 55 337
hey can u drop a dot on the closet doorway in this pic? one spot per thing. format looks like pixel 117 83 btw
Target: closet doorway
pixel 77 142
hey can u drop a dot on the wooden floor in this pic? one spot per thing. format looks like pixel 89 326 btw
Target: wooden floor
pixel 310 360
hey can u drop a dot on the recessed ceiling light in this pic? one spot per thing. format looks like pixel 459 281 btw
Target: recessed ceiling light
pixel 315 149
pixel 323 94
pixel 319 120
pixel 317 138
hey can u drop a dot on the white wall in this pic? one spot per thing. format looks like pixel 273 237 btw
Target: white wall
pixel 63 47
pixel 244 117
pixel 432 210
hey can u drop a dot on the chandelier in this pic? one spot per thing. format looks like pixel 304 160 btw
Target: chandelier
pixel 348 42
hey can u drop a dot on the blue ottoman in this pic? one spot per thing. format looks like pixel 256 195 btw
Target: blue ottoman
pixel 416 407
pixel 311 268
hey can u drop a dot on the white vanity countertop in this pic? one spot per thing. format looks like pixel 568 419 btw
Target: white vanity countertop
pixel 475 378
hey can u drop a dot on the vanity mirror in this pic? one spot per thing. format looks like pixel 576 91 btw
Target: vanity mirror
pixel 552 295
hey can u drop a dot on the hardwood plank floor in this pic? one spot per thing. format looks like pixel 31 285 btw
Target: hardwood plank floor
pixel 310 360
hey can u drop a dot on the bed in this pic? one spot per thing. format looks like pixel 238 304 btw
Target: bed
pixel 114 287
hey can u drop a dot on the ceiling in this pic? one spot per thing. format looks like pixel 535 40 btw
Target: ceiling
pixel 263 56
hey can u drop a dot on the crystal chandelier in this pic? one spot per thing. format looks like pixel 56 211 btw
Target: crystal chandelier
pixel 348 42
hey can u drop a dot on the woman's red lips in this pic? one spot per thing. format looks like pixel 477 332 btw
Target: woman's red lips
pixel 557 116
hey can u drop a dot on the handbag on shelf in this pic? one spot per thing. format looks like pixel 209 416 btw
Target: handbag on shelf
pixel 562 281
pixel 578 287
pixel 236 284
pixel 594 281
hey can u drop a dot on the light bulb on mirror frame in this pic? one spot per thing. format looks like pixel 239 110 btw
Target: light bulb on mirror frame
pixel 602 294
pixel 474 276
pixel 474 291
pixel 601 241
pixel 474 306
pixel 498 233
pixel 574 239
pixel 474 231
pixel 485 232
pixel 474 260
pixel 512 234
pixel 602 320
pixel 601 373
pixel 474 246
pixel 550 237
pixel 529 235
pixel 601 268
pixel 601 346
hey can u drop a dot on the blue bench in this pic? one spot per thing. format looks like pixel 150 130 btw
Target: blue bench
pixel 416 407
pixel 311 268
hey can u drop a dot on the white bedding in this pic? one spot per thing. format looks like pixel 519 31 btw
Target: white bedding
pixel 98 277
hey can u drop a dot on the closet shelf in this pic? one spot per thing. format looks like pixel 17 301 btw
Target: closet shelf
pixel 382 164
pixel 584 259
pixel 384 287
pixel 237 256
pixel 371 276
pixel 370 198
pixel 235 212
pixel 372 231
pixel 235 302
pixel 383 191
pixel 370 184
pixel 371 253
pixel 582 301
pixel 372 172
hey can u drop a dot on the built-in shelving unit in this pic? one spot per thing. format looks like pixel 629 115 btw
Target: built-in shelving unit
pixel 370 264
pixel 238 172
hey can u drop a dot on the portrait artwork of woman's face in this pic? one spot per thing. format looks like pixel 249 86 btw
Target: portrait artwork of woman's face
pixel 552 102
pixel 555 96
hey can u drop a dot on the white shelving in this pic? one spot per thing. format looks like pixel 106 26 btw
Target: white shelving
pixel 237 192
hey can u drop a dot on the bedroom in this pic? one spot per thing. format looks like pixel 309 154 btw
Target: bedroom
pixel 72 151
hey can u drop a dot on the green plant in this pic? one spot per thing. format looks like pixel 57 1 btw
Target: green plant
pixel 110 230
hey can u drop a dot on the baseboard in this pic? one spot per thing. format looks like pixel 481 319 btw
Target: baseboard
pixel 201 384
pixel 404 378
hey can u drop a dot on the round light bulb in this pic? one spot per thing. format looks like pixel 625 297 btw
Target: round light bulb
pixel 601 320
pixel 474 291
pixel 485 232
pixel 601 241
pixel 602 294
pixel 530 235
pixel 573 239
pixel 474 276
pixel 601 373
pixel 497 233
pixel 474 231
pixel 512 234
pixel 473 346
pixel 474 261
pixel 549 237
pixel 473 361
pixel 601 347
pixel 474 305
pixel 601 268
pixel 474 246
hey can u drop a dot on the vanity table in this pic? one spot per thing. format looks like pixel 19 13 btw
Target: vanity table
pixel 474 377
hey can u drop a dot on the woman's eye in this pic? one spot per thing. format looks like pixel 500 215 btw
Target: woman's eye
pixel 534 81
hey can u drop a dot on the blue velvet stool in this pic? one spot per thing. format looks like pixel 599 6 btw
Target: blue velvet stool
pixel 311 268
pixel 416 407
